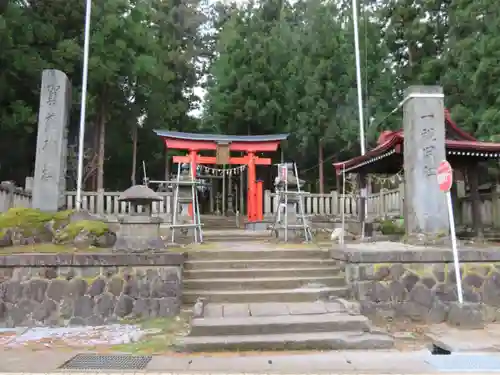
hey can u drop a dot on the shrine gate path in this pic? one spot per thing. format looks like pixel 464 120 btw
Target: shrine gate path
pixel 223 145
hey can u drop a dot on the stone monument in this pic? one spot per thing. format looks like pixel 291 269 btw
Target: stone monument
pixel 139 231
pixel 49 182
pixel 424 208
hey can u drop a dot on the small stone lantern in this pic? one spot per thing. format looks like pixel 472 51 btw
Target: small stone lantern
pixel 185 193
pixel 139 231
pixel 184 199
pixel 292 199
pixel 292 202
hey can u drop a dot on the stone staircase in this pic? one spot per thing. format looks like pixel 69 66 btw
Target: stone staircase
pixel 218 222
pixel 259 298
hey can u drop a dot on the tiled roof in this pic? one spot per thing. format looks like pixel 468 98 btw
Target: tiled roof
pixel 388 140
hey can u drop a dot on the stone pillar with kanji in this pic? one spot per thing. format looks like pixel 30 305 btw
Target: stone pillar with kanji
pixel 425 209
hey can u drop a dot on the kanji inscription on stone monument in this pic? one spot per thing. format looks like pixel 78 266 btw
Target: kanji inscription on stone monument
pixel 49 181
pixel 424 147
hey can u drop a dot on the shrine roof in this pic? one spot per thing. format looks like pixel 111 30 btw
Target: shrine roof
pixel 390 142
pixel 221 137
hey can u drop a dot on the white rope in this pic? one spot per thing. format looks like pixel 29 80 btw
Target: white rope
pixel 218 171
pixel 411 96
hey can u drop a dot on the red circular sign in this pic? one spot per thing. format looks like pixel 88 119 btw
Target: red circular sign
pixel 445 176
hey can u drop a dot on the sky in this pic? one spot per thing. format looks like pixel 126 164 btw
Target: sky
pixel 199 91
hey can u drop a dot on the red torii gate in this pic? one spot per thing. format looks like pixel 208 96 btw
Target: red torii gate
pixel 224 144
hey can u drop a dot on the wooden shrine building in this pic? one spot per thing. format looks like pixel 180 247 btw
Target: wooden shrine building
pixel 462 150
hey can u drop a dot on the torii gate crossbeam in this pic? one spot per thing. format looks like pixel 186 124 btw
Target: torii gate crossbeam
pixel 251 144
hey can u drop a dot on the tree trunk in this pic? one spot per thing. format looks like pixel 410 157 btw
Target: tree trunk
pixel 134 154
pixel 473 181
pixel 102 142
pixel 167 165
pixel 321 167
pixel 95 149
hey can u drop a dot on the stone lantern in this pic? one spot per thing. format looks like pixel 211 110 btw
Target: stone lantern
pixel 292 199
pixel 184 199
pixel 294 223
pixel 185 193
pixel 139 231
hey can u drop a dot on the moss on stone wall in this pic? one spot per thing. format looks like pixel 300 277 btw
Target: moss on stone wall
pixel 27 226
pixel 392 227
pixel 30 218
pixel 396 281
pixel 430 269
pixel 94 227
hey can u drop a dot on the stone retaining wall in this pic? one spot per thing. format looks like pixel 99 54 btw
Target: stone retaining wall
pixel 420 283
pixel 88 289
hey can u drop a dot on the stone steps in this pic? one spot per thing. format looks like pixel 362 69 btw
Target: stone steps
pixel 281 324
pixel 247 253
pixel 218 222
pixel 258 263
pixel 261 273
pixel 264 295
pixel 234 237
pixel 289 282
pixel 289 341
pixel 276 299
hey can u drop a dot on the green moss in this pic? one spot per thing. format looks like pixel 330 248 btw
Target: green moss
pixel 392 227
pixel 24 218
pixel 441 234
pixel 30 220
pixel 97 228
pixel 49 248
pixel 162 338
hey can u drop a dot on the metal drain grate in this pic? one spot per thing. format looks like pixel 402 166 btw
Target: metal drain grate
pixel 107 362
pixel 463 362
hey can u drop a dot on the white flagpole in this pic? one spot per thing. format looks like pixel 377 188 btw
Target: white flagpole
pixel 342 211
pixel 83 105
pixel 360 103
pixel 358 76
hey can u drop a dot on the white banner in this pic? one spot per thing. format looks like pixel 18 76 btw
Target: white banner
pixel 227 172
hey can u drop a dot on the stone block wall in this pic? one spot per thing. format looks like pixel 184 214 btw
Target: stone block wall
pixel 420 284
pixel 88 289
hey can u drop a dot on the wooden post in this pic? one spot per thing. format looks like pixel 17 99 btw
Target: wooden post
pixel 10 187
pixel 362 214
pixel 495 206
pixel 251 187
pixel 192 160
pixel 28 184
pixel 381 209
pixel 258 201
pixel 230 195
pixel 334 206
pixel 473 180
pixel 267 202
pixel 242 193
pixel 460 200
pixel 213 183
pixel 224 192
pixel 321 167
pixel 134 155
pixel 402 199
pixel 167 165
pixel 100 201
